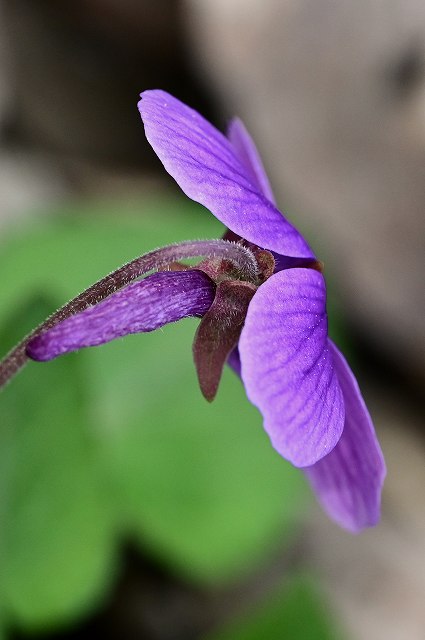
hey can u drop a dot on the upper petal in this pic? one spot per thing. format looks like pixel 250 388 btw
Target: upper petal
pixel 140 306
pixel 247 153
pixel 204 164
pixel 348 481
pixel 287 366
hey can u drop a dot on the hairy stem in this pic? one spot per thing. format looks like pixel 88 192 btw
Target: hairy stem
pixel 240 256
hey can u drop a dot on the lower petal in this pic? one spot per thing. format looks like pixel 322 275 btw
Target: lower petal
pixel 288 369
pixel 348 481
pixel 142 306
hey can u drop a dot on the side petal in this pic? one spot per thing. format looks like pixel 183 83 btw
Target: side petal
pixel 247 153
pixel 204 164
pixel 141 306
pixel 234 361
pixel 348 481
pixel 287 366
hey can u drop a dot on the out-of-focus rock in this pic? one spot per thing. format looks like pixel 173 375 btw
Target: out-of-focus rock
pixel 376 581
pixel 28 183
pixel 334 92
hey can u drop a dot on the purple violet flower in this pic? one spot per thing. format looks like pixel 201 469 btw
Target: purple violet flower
pixel 261 297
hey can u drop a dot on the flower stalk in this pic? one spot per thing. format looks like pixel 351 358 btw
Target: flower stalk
pixel 240 256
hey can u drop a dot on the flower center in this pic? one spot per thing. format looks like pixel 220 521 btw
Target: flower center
pixel 222 269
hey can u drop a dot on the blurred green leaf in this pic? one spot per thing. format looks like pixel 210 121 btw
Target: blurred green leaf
pixel 56 523
pixel 2 622
pixel 295 611
pixel 118 439
pixel 199 482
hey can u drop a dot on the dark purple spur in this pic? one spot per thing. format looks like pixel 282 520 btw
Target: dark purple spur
pixel 261 297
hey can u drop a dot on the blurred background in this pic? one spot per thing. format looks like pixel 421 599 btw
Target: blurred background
pixel 129 507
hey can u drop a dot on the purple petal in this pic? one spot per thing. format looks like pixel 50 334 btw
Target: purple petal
pixel 287 366
pixel 204 164
pixel 161 298
pixel 234 361
pixel 349 480
pixel 247 153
